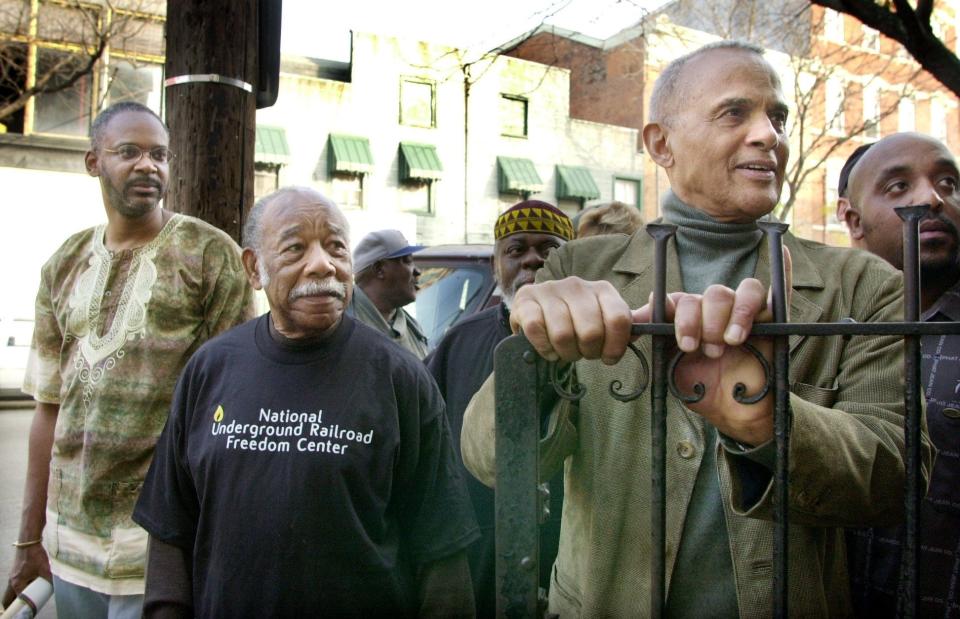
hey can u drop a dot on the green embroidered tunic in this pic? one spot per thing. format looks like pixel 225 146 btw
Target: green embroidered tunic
pixel 112 332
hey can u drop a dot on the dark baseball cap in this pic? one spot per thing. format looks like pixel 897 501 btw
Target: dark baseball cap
pixel 381 245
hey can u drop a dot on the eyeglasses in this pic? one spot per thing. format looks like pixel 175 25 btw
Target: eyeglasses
pixel 131 153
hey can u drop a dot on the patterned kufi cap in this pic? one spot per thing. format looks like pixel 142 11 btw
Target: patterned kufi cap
pixel 533 216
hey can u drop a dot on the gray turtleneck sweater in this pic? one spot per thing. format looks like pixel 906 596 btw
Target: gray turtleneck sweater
pixel 710 252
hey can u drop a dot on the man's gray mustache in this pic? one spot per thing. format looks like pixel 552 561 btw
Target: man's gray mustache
pixel 317 288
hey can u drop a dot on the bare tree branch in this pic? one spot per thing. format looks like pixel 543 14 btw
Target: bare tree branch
pixel 58 78
pixel 76 37
pixel 911 28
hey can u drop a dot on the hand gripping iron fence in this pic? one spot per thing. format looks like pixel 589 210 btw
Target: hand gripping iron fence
pixel 521 376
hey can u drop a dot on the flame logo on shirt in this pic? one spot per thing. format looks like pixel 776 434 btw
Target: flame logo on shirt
pixel 218 414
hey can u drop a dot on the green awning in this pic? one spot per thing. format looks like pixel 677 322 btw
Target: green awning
pixel 575 182
pixel 517 175
pixel 349 154
pixel 419 162
pixel 271 145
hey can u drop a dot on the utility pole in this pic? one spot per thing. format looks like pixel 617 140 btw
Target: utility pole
pixel 211 72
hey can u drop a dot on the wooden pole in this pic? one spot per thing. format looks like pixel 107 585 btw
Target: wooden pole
pixel 212 123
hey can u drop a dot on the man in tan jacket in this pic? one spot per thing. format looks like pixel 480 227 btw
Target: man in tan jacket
pixel 718 128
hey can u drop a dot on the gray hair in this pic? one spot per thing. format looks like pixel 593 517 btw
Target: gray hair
pixel 668 85
pixel 100 123
pixel 253 226
pixel 609 218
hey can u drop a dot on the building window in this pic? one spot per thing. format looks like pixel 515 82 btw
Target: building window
pixel 627 190
pixel 347 190
pixel 833 109
pixel 870 39
pixel 417 197
pixel 907 112
pixel 871 112
pixel 833 25
pixel 127 81
pixel 513 116
pixel 265 179
pixel 418 102
pixel 938 120
pixel 830 182
pixel 12 80
pixel 130 67
pixel 67 111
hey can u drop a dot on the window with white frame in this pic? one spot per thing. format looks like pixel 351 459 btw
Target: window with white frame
pixel 346 190
pixel 833 25
pixel 418 105
pixel 627 190
pixel 833 108
pixel 871 111
pixel 907 113
pixel 938 120
pixel 870 39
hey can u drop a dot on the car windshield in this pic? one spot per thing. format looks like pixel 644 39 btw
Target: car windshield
pixel 445 294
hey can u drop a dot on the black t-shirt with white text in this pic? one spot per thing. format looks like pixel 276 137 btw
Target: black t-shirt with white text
pixel 306 480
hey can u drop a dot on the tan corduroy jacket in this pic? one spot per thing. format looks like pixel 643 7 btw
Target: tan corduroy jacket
pixel 847 465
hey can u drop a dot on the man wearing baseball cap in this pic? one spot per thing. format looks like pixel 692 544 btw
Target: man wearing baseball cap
pixel 386 279
pixel 525 235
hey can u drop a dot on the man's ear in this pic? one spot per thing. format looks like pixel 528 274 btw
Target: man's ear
pixel 378 269
pixel 249 259
pixel 655 141
pixel 92 163
pixel 849 214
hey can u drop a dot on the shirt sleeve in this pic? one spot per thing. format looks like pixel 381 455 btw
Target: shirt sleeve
pixel 436 514
pixel 168 507
pixel 228 299
pixel 42 378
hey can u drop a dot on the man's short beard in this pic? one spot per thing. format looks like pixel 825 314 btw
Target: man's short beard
pixel 507 293
pixel 941 268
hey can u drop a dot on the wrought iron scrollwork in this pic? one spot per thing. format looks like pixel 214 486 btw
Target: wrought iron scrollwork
pixel 565 383
pixel 739 390
pixel 698 389
pixel 617 385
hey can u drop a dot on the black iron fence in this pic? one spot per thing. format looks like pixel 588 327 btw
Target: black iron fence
pixel 520 381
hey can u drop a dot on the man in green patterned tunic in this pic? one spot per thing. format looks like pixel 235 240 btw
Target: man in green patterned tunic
pixel 120 309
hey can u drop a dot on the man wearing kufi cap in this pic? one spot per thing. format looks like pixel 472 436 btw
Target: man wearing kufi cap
pixel 386 280
pixel 525 234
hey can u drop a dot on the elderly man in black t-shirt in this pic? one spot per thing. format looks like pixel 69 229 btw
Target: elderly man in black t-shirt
pixel 306 468
pixel 525 235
